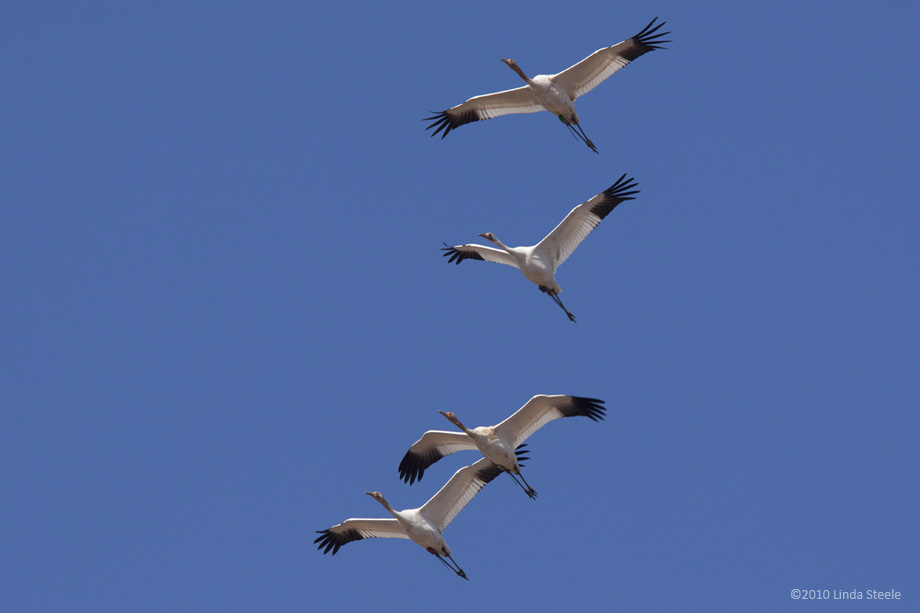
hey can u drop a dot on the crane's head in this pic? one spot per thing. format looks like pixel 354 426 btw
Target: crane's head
pixel 488 236
pixel 376 496
pixel 450 417
pixel 514 66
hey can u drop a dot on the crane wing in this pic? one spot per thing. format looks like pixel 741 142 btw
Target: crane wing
pixel 434 445
pixel 562 241
pixel 477 252
pixel 357 529
pixel 540 410
pixel 487 106
pixel 597 67
pixel 456 493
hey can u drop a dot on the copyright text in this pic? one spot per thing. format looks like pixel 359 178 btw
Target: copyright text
pixel 799 594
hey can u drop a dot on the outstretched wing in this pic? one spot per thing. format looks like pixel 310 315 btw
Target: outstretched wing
pixel 456 493
pixel 487 106
pixel 434 445
pixel 562 241
pixel 477 252
pixel 540 410
pixel 597 67
pixel 357 529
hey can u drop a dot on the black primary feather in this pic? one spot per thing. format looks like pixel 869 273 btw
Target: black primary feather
pixel 334 540
pixel 646 40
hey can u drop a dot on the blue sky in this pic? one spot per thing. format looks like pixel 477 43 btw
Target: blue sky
pixel 226 313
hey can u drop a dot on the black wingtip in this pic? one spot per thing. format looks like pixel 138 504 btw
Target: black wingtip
pixel 486 474
pixel 334 540
pixel 454 254
pixel 621 188
pixel 621 191
pixel 440 121
pixel 647 40
pixel 519 454
pixel 447 121
pixel 592 408
pixel 413 465
pixel 411 469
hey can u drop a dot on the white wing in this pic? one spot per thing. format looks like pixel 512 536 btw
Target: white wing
pixel 487 106
pixel 478 252
pixel 597 67
pixel 434 445
pixel 456 493
pixel 540 410
pixel 357 529
pixel 562 241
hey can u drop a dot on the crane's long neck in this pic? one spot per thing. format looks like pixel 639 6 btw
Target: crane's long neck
pixel 513 66
pixel 453 419
pixel 457 423
pixel 500 245
pixel 517 255
pixel 386 505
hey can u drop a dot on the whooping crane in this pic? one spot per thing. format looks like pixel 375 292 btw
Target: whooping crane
pixel 423 525
pixel 539 262
pixel 497 443
pixel 554 93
